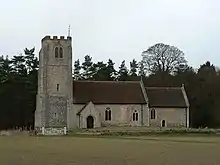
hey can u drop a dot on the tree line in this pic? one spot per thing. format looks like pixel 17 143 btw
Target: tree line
pixel 101 71
pixel 161 65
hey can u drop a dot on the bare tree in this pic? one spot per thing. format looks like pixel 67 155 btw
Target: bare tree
pixel 162 58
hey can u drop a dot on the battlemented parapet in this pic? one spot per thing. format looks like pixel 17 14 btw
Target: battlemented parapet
pixel 68 38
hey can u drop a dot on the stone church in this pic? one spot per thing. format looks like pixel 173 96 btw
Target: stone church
pixel 63 102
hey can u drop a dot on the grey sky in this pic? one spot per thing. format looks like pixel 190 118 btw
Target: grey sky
pixel 116 29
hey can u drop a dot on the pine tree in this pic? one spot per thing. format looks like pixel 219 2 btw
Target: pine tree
pixel 112 73
pixel 141 69
pixel 100 71
pixel 77 69
pixel 18 65
pixel 31 61
pixel 123 72
pixel 5 68
pixel 133 68
pixel 88 69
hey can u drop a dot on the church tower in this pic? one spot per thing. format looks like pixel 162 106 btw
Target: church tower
pixel 54 97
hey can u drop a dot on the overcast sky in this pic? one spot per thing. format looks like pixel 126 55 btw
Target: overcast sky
pixel 116 29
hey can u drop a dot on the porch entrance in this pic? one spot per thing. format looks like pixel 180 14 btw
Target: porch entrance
pixel 90 122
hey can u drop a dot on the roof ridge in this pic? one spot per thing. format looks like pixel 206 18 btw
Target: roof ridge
pixel 163 87
pixel 93 81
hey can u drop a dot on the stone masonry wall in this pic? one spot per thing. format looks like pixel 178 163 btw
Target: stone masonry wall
pixel 121 115
pixel 54 96
pixel 174 117
pixel 56 114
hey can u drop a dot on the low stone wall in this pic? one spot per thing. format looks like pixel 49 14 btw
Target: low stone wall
pixel 139 131
pixel 52 131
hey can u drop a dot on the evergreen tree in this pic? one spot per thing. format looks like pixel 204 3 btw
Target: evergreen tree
pixel 18 85
pixel 5 68
pixel 88 69
pixel 112 73
pixel 123 72
pixel 101 73
pixel 133 68
pixel 30 60
pixel 141 69
pixel 77 69
pixel 104 72
pixel 18 65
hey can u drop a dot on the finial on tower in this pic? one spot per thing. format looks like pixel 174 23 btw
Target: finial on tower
pixel 68 31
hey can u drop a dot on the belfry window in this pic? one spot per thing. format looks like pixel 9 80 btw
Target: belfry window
pixel 58 52
pixel 61 52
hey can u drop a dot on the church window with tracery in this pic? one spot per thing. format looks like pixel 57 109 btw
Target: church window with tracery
pixel 153 114
pixel 61 52
pixel 108 114
pixel 58 52
pixel 135 116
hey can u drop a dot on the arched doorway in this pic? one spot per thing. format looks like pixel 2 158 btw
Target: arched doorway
pixel 90 122
pixel 163 123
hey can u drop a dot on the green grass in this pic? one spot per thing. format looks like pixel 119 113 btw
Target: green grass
pixel 87 150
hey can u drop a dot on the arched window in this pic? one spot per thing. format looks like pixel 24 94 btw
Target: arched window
pixel 58 87
pixel 56 52
pixel 153 114
pixel 135 116
pixel 108 114
pixel 163 123
pixel 61 52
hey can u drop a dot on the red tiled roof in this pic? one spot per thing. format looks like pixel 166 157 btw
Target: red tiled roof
pixel 108 92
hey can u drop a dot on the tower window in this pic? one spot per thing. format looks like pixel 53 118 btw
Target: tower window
pixel 58 87
pixel 61 52
pixel 56 52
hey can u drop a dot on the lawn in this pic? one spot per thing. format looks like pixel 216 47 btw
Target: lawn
pixel 152 150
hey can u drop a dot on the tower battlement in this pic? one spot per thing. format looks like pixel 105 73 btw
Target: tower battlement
pixel 63 38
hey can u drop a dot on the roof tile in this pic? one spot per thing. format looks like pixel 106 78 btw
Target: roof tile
pixel 108 92
pixel 165 97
